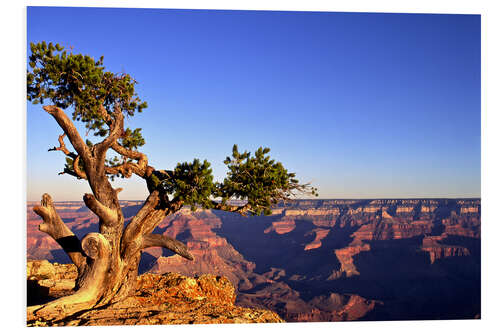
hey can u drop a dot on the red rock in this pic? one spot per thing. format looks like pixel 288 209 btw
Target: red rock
pixel 160 299
pixel 213 253
pixel 316 243
pixel 281 227
pixel 347 267
pixel 436 250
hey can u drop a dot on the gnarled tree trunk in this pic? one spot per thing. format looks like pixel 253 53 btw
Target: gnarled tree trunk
pixel 107 261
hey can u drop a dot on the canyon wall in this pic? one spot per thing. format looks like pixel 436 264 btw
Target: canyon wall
pixel 321 260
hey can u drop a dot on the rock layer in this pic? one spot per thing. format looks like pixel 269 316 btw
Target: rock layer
pixel 160 299
pixel 312 249
pixel 436 250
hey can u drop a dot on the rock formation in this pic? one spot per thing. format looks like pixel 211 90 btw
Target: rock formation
pixel 319 233
pixel 345 257
pixel 281 227
pixel 437 250
pixel 313 252
pixel 160 299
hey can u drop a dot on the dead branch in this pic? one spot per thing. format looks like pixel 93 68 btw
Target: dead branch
pixel 62 147
pixel 76 166
pixel 70 130
pixel 55 227
pixel 115 131
pixel 139 168
pixel 173 245
pixel 231 208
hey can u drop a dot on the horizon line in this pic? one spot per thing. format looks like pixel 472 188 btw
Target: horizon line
pixel 392 198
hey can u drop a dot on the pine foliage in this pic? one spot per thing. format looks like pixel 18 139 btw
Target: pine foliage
pixel 258 179
pixel 80 83
pixel 192 183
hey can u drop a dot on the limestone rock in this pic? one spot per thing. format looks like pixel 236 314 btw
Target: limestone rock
pixel 170 298
pixel 40 270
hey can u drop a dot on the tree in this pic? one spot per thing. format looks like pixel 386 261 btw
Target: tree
pixel 107 261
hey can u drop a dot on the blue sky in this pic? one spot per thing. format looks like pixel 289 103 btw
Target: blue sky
pixel 361 105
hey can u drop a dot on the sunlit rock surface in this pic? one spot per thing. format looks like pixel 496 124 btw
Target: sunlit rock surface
pixel 159 300
pixel 403 258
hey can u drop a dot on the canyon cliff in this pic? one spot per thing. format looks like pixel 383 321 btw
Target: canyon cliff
pixel 321 260
pixel 159 299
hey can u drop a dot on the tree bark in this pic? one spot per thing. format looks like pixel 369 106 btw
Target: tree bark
pixel 105 274
pixel 55 227
pixel 107 261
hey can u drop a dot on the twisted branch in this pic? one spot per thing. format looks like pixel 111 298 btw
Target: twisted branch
pixel 137 234
pixel 76 167
pixel 98 250
pixel 55 227
pixel 106 215
pixel 126 169
pixel 173 245
pixel 115 131
pixel 130 243
pixel 62 147
pixel 70 130
pixel 76 159
pixel 231 208
pixel 105 115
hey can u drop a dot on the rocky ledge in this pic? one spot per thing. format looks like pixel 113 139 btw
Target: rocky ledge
pixel 169 298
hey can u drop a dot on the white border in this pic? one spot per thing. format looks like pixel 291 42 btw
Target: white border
pixel 13 194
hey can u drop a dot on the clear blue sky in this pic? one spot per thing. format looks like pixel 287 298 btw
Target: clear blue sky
pixel 361 105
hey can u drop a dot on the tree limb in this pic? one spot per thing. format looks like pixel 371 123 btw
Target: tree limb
pixel 69 129
pixel 142 160
pixel 135 228
pixel 173 245
pixel 69 172
pixel 107 215
pixel 145 221
pixel 115 131
pixel 76 172
pixel 98 250
pixel 133 235
pixel 55 227
pixel 231 208
pixel 126 169
pixel 76 167
pixel 62 147
pixel 104 114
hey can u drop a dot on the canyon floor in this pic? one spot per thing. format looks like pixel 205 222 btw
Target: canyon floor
pixel 320 260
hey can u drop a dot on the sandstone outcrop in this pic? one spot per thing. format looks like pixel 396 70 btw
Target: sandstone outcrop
pixel 387 231
pixel 319 233
pixel 212 253
pixel 310 249
pixel 46 281
pixel 335 307
pixel 437 250
pixel 170 298
pixel 281 227
pixel 288 304
pixel 345 257
pixel 466 224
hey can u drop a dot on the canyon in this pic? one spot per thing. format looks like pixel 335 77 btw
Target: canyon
pixel 319 260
